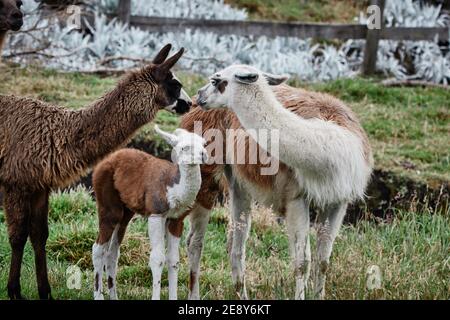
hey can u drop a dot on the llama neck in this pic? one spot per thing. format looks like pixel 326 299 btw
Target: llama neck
pixel 110 122
pixel 257 108
pixel 2 41
pixel 305 143
pixel 182 195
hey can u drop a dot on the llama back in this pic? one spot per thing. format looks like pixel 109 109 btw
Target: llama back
pixel 131 171
pixel 28 145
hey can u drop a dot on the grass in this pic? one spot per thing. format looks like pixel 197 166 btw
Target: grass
pixel 306 11
pixel 412 252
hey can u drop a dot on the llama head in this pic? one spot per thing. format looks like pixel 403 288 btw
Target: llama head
pixel 223 84
pixel 188 147
pixel 169 92
pixel 11 18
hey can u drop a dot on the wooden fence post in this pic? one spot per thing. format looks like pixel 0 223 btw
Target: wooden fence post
pixel 372 40
pixel 124 11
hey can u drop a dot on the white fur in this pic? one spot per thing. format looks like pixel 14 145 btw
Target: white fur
pixel 190 153
pixel 198 217
pixel 112 259
pixel 173 261
pixel 182 195
pixel 98 252
pixel 156 231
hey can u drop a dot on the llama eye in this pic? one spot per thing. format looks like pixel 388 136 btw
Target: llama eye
pixel 186 148
pixel 213 82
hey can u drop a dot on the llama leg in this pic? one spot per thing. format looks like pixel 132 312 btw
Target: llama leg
pixel 111 260
pixel 199 218
pixel 112 257
pixel 328 224
pixel 38 237
pixel 297 223
pixel 173 254
pixel 17 210
pixel 98 254
pixel 241 221
pixel 156 230
pixel 108 222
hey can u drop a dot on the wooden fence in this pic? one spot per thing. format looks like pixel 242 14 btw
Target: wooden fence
pixel 290 29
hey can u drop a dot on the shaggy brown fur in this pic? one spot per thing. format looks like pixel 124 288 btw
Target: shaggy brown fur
pixel 43 147
pixel 11 18
pixel 305 103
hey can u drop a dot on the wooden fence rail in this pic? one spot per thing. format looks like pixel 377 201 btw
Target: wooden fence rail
pixel 289 29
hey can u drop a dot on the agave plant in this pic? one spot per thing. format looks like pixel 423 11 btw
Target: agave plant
pixel 206 52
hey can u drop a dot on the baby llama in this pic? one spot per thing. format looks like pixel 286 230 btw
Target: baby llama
pixel 131 181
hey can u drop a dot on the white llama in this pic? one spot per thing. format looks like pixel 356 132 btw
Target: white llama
pixel 329 165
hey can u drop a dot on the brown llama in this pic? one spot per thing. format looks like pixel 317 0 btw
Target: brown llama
pixel 44 147
pixel 246 182
pixel 131 181
pixel 11 18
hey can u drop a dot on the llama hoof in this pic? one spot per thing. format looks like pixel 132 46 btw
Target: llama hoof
pixel 17 296
pixel 14 293
pixel 194 297
pixel 241 291
pixel 47 296
pixel 99 296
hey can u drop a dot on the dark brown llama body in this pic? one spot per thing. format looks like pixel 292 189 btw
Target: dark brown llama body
pixel 43 147
pixel 11 18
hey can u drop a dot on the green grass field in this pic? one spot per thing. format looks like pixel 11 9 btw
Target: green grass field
pixel 412 252
pixel 408 129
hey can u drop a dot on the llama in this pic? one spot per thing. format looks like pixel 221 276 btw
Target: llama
pixel 131 181
pixel 11 18
pixel 330 139
pixel 44 147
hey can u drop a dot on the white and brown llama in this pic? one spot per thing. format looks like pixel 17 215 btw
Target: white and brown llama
pixel 130 181
pixel 325 160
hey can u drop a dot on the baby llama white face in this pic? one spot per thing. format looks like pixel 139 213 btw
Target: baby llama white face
pixel 188 147
pixel 221 88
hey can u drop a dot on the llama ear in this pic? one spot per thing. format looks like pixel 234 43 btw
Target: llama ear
pixel 274 80
pixel 246 78
pixel 168 137
pixel 160 71
pixel 162 54
pixel 169 63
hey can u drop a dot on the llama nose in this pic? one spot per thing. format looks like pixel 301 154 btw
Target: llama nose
pixel 17 15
